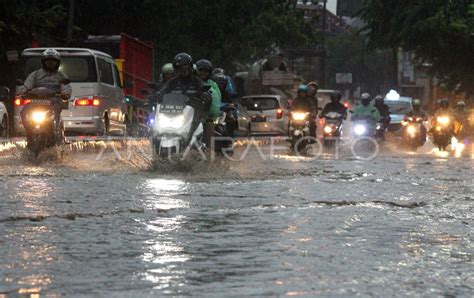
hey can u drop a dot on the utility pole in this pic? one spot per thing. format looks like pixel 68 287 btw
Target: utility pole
pixel 323 41
pixel 70 23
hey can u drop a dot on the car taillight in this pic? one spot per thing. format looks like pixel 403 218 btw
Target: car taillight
pixel 279 113
pixel 21 102
pixel 87 102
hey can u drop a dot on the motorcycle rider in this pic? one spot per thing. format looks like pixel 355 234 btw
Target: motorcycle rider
pixel 205 69
pixel 313 90
pixel 167 73
pixel 304 103
pixel 186 83
pixel 367 111
pixel 51 78
pixel 461 114
pixel 335 106
pixel 232 123
pixel 418 112
pixel 384 112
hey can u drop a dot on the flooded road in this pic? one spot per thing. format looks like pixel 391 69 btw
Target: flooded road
pixel 398 225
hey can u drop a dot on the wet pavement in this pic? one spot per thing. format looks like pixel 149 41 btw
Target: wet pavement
pixel 86 224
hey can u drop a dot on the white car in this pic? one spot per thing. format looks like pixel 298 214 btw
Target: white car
pixel 4 120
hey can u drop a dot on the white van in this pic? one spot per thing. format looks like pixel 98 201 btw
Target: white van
pixel 97 103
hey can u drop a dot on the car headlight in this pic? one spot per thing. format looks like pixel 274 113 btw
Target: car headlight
pixel 442 120
pixel 172 122
pixel 298 116
pixel 360 129
pixel 38 117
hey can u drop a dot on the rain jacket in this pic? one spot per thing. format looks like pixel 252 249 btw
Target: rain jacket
pixel 216 99
pixel 50 80
pixel 367 111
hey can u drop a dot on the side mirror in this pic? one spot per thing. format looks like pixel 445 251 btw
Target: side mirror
pixel 145 92
pixel 4 94
pixel 19 82
pixel 153 86
pixel 128 84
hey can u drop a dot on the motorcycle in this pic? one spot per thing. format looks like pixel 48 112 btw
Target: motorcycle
pixel 299 131
pixel 442 131
pixel 231 121
pixel 223 143
pixel 332 131
pixel 175 127
pixel 381 128
pixel 412 132
pixel 39 121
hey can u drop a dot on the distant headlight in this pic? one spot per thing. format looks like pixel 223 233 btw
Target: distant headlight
pixel 327 129
pixel 442 120
pixel 298 116
pixel 411 129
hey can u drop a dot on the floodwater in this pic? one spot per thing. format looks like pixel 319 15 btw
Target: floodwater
pixel 85 222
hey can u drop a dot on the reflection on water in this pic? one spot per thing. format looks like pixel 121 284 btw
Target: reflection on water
pixel 164 251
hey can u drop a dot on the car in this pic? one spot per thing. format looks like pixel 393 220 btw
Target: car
pixel 4 120
pixel 97 103
pixel 398 107
pixel 268 114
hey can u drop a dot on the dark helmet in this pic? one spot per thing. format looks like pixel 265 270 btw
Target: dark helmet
pixel 183 65
pixel 444 103
pixel 365 99
pixel 379 100
pixel 205 64
pixel 336 97
pixel 220 79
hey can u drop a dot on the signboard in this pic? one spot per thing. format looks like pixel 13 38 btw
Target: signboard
pixel 343 78
pixel 348 8
pixel 271 78
pixel 12 56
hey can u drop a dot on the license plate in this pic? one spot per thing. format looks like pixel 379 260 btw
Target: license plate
pixel 259 119
pixel 172 109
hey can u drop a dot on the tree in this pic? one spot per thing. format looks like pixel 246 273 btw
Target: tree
pixel 439 32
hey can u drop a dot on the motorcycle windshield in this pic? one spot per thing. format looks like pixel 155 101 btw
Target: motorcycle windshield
pixel 173 103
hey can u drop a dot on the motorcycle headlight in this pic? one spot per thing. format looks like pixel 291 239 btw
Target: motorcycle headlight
pixel 327 129
pixel 298 116
pixel 172 122
pixel 442 120
pixel 38 117
pixel 360 129
pixel 411 130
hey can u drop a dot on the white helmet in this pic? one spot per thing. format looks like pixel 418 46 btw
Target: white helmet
pixel 51 54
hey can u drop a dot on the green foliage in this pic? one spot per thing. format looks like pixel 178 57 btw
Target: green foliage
pixel 439 32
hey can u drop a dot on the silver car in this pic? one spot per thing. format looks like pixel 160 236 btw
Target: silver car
pixel 4 120
pixel 398 108
pixel 268 114
pixel 96 105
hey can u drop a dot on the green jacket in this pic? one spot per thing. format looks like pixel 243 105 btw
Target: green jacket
pixel 216 99
pixel 367 111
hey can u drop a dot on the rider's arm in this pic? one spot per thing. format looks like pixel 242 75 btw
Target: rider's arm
pixel 29 84
pixel 376 115
pixel 66 89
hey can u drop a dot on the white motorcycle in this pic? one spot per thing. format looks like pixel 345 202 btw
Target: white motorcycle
pixel 175 127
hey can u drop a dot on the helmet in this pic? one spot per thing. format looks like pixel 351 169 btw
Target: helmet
pixel 365 98
pixel 183 65
pixel 336 96
pixel 205 64
pixel 167 69
pixel 51 54
pixel 461 104
pixel 416 102
pixel 218 71
pixel 303 88
pixel 379 99
pixel 313 84
pixel 444 103
pixel 220 78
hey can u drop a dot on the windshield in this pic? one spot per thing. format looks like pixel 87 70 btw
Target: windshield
pixel 398 107
pixel 263 104
pixel 78 69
